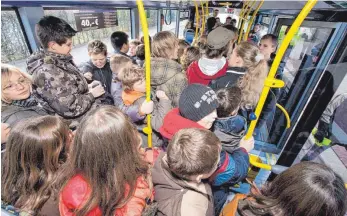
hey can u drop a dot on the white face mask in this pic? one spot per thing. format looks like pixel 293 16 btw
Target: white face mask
pixel 208 120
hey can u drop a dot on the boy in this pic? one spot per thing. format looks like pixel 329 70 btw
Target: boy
pixel 132 48
pixel 120 42
pixel 140 55
pixel 58 85
pixel 98 67
pixel 229 126
pixel 268 45
pixel 212 64
pixel 179 175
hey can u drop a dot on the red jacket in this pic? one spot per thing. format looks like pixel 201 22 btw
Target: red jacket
pixel 173 122
pixel 77 191
pixel 195 75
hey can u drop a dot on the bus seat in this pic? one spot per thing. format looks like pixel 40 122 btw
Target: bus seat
pixel 189 36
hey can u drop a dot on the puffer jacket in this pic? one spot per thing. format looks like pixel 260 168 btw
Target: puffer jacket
pixel 177 197
pixel 58 84
pixel 20 110
pixel 205 70
pixel 166 75
pixel 104 75
pixel 77 191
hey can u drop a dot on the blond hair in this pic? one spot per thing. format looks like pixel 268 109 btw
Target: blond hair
pixel 164 45
pixel 190 55
pixel 130 75
pixel 118 62
pixel 97 47
pixel 252 82
pixel 6 72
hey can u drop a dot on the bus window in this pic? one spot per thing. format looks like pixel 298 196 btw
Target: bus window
pixel 14 49
pixel 80 41
pixel 169 20
pixel 152 21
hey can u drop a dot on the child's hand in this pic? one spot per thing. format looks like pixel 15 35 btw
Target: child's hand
pixel 146 107
pixel 247 144
pixel 94 84
pixel 5 132
pixel 161 95
pixel 88 76
pixel 97 91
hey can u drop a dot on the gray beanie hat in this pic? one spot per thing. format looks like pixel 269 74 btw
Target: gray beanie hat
pixel 197 101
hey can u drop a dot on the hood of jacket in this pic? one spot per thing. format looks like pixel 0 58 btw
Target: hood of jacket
pixel 210 67
pixel 205 72
pixel 37 59
pixel 173 122
pixel 162 70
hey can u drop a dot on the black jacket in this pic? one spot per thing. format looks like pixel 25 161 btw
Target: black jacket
pixel 230 79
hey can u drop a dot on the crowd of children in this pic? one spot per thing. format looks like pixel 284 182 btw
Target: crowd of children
pixel 80 148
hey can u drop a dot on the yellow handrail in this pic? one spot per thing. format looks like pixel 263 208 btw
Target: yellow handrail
pixel 196 20
pixel 243 23
pixel 203 18
pixel 294 28
pixel 250 23
pixel 241 13
pixel 143 19
pixel 285 113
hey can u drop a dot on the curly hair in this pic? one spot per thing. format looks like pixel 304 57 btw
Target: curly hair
pixel 190 55
pixel 97 47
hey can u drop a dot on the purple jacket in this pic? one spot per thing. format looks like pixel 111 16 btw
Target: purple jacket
pixel 132 111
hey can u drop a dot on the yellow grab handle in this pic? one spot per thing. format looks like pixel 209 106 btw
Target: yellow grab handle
pixel 300 18
pixel 242 12
pixel 250 23
pixel 285 114
pixel 143 19
pixel 243 23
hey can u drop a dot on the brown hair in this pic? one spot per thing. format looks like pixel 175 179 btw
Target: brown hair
pixel 130 75
pixel 252 82
pixel 118 61
pixel 272 38
pixel 164 44
pixel 190 55
pixel 6 72
pixel 135 42
pixel 97 47
pixel 106 152
pixel 182 45
pixel 193 151
pixel 35 151
pixel 306 188
pixel 140 52
pixel 229 100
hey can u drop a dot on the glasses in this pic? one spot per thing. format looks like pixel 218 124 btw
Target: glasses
pixel 13 86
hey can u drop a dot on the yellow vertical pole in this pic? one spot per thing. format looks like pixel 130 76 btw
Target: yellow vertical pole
pixel 250 23
pixel 203 18
pixel 285 43
pixel 245 18
pixel 245 5
pixel 207 12
pixel 196 20
pixel 143 19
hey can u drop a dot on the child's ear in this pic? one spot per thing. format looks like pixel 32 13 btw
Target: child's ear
pixel 198 178
pixel 51 45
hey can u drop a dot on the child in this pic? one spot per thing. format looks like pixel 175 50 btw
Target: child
pixel 182 46
pixel 132 48
pixel 190 55
pixel 98 67
pixel 212 64
pixel 107 173
pixel 166 73
pixel 229 126
pixel 268 45
pixel 140 55
pixel 306 188
pixel 179 176
pixel 35 152
pixel 58 84
pixel 120 42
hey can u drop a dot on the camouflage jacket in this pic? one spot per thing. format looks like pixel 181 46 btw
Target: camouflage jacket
pixel 58 84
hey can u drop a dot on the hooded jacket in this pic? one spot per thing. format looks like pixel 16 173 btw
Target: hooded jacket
pixel 177 197
pixel 166 75
pixel 104 75
pixel 231 77
pixel 205 70
pixel 58 84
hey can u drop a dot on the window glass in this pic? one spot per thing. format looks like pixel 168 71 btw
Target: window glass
pixel 169 20
pixel 14 49
pixel 152 21
pixel 81 39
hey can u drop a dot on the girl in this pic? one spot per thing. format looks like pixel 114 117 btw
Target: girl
pixel 190 55
pixel 106 173
pixel 36 149
pixel 17 102
pixel 306 188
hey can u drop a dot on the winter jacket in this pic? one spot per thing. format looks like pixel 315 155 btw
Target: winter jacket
pixel 132 111
pixel 230 131
pixel 20 110
pixel 230 79
pixel 232 167
pixel 104 75
pixel 77 191
pixel 177 197
pixel 205 70
pixel 58 84
pixel 166 75
pixel 117 51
